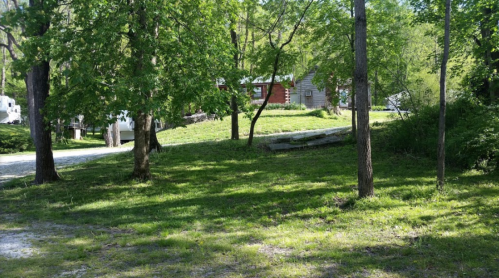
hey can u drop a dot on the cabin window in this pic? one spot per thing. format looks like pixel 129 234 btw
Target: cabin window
pixel 10 104
pixel 344 97
pixel 257 92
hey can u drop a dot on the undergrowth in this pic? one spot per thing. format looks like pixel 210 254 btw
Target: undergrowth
pixel 472 134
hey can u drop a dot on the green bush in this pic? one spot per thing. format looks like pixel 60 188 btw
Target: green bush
pixel 472 134
pixel 287 106
pixel 321 113
pixel 378 108
pixel 12 142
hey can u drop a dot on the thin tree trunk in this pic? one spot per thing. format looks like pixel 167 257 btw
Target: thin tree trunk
pixel 274 72
pixel 116 134
pixel 376 87
pixel 4 60
pixel 365 170
pixel 154 144
pixel 443 89
pixel 30 99
pixel 352 48
pixel 354 104
pixel 233 99
pixel 108 137
pixel 252 49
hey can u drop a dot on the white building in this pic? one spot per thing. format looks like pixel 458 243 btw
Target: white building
pixel 9 111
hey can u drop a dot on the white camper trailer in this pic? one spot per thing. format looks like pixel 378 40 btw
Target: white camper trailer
pixel 127 125
pixel 9 112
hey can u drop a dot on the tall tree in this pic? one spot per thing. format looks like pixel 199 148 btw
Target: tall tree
pixel 275 52
pixel 365 170
pixel 233 98
pixel 38 24
pixel 441 121
pixel 145 57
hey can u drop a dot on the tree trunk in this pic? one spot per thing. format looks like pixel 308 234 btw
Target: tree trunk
pixel 59 131
pixel 142 134
pixel 108 137
pixel 234 118
pixel 365 170
pixel 376 87
pixel 3 71
pixel 354 105
pixel 352 48
pixel 45 168
pixel 143 118
pixel 331 103
pixel 116 140
pixel 233 99
pixel 154 144
pixel 30 98
pixel 443 89
pixel 38 79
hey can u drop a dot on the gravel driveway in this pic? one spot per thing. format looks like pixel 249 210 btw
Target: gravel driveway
pixel 16 166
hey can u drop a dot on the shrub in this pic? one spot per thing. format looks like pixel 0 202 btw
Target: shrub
pixel 472 134
pixel 287 106
pixel 321 113
pixel 12 142
pixel 378 108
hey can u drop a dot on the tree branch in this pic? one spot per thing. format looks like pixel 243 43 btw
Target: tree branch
pixel 297 25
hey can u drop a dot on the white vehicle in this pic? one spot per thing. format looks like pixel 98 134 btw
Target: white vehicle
pixel 9 112
pixel 393 102
pixel 127 125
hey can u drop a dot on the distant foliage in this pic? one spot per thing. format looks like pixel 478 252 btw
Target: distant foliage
pixel 13 142
pixel 472 135
pixel 287 106
pixel 378 108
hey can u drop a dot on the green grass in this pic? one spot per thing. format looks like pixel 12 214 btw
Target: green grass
pixel 90 141
pixel 270 122
pixel 221 209
pixel 5 128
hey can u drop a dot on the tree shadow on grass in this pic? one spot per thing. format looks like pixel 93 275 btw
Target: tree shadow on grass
pixel 227 190
pixel 225 254
pixel 225 173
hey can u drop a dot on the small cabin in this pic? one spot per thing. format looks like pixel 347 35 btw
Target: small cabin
pixel 305 92
pixel 280 94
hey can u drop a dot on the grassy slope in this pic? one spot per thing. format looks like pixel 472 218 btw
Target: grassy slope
pixel 222 209
pixel 271 121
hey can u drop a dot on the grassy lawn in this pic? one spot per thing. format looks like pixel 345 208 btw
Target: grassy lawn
pixel 90 141
pixel 270 122
pixel 221 209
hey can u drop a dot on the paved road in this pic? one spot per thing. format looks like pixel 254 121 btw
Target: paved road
pixel 16 166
